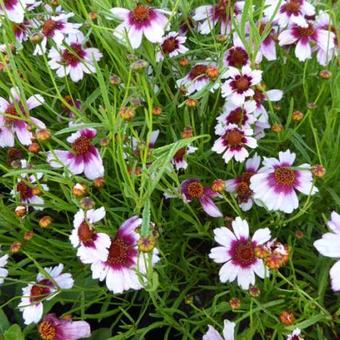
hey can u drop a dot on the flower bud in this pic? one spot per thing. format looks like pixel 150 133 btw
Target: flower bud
pixel 15 247
pixel 127 113
pixel 20 211
pixel 43 135
pixel 183 62
pixel 99 182
pixel 93 15
pixel 156 111
pixel 318 170
pixel 45 221
pixel 287 318
pixel 325 74
pixel 79 190
pixel 191 102
pixel 297 116
pixel 36 191
pixel 87 203
pixel 187 132
pixel 218 185
pixel 139 65
pixel 146 244
pixel 212 72
pixel 115 80
pixel 221 38
pixel 299 234
pixel 28 235
pixel 311 106
pixel 34 148
pixel 235 303
pixel 36 38
pixel 254 291
pixel 276 127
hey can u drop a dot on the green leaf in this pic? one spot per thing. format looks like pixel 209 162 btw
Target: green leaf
pixel 101 333
pixel 4 324
pixel 14 333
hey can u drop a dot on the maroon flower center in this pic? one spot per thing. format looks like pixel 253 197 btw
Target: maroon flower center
pixel 73 55
pixel 169 45
pixel 50 26
pixel 292 7
pixel 306 32
pixel 241 83
pixel 243 187
pixel 180 154
pixel 40 290
pixel 237 57
pixel 259 97
pixel 195 189
pixel 81 145
pixel 47 330
pixel 24 190
pixel 237 116
pixel 243 252
pixel 222 11
pixel 284 176
pixel 119 252
pixel 198 71
pixel 85 233
pixel 141 13
pixel 234 138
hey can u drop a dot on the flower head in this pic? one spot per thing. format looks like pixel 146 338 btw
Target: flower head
pixel 171 45
pixel 237 252
pixel 276 183
pixel 228 332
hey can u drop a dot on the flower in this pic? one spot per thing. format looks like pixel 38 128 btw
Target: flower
pixel 74 60
pixel 268 45
pixel 15 119
pixel 239 83
pixel 241 184
pixel 179 161
pixel 233 143
pixel 241 116
pixel 45 287
pixel 83 157
pixel 171 45
pixel 196 79
pixel 56 28
pixel 92 246
pixel 192 189
pixel 228 332
pixel 237 252
pixel 295 335
pixel 275 183
pixel 328 246
pixel 222 13
pixel 236 56
pixel 289 12
pixel 53 328
pixel 142 20
pixel 3 270
pixel 123 260
pixel 304 37
pixel 14 9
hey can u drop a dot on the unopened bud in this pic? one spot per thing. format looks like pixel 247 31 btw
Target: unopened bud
pixel 15 247
pixel 235 303
pixel 36 191
pixel 254 291
pixel 297 116
pixel 318 170
pixel 325 74
pixel 184 62
pixel 157 110
pixel 92 15
pixel 99 182
pixel 87 203
pixel 191 102
pixel 221 38
pixel 34 148
pixel 36 38
pixel 139 65
pixel 299 234
pixel 311 106
pixel 115 79
pixel 218 185
pixel 276 127
pixel 127 113
pixel 287 318
pixel 79 190
pixel 187 132
pixel 43 135
pixel 45 221
pixel 28 235
pixel 146 244
pixel 212 72
pixel 20 211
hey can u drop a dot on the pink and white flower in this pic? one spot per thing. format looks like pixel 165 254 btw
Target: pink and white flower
pixel 15 119
pixel 304 37
pixel 196 79
pixel 193 189
pixel 241 184
pixel 237 252
pixel 235 114
pixel 295 335
pixel 56 28
pixel 233 143
pixel 3 270
pixel 222 13
pixel 75 59
pixel 171 45
pixel 61 329
pixel 328 246
pixel 45 288
pixel 238 85
pixel 289 12
pixel 268 45
pixel 276 183
pixel 83 156
pixel 236 56
pixel 124 267
pixel 142 20
pixel 92 246
pixel 228 332
pixel 179 160
pixel 14 9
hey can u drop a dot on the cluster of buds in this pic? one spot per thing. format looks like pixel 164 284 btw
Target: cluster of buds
pixel 274 254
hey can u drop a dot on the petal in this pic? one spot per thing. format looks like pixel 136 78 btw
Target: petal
pixel 245 278
pixel 75 330
pixel 335 276
pixel 219 254
pixel 96 215
pixel 35 101
pixel 93 165
pixel 303 51
pixel 224 236
pixel 261 235
pixel 210 207
pixel 241 228
pixel 328 245
pixel 228 272
pixel 229 330
pixel 212 334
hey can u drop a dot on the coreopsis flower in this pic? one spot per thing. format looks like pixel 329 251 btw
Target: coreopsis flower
pixel 14 10
pixel 328 246
pixel 45 288
pixel 75 59
pixel 56 28
pixel 237 252
pixel 275 184
pixel 83 156
pixel 239 83
pixel 54 328
pixel 196 79
pixel 295 335
pixel 289 12
pixel 233 143
pixel 222 13
pixel 123 267
pixel 142 20
pixel 305 37
pixel 236 56
pixel 15 118
pixel 3 270
pixel 240 115
pixel 228 332
pixel 268 45
pixel 193 189
pixel 240 186
pixel 92 246
pixel 179 159
pixel 21 31
pixel 171 45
